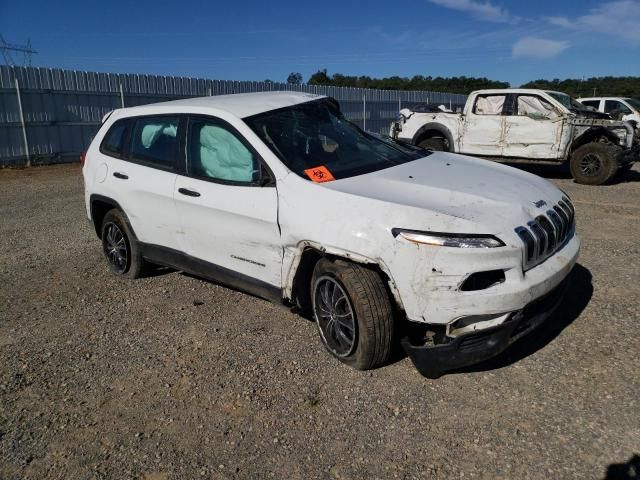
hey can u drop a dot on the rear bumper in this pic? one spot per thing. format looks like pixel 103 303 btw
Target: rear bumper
pixel 433 360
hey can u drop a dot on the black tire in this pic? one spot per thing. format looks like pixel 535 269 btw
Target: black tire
pixel 435 144
pixel 120 247
pixel 594 163
pixel 373 323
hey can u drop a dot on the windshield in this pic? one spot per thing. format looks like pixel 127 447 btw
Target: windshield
pixel 315 141
pixel 568 102
pixel 634 102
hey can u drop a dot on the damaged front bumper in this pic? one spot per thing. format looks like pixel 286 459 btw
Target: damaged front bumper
pixel 432 360
pixel 628 156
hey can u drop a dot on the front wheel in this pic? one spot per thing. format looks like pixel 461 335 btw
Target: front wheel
pixel 353 313
pixel 594 163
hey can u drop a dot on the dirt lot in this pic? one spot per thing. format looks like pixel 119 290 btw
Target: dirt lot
pixel 171 377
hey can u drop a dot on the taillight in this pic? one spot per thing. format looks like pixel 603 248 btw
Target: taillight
pixel 83 157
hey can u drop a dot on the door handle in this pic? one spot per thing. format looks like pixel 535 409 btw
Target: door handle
pixel 188 193
pixel 121 176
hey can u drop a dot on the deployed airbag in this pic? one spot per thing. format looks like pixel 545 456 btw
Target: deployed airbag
pixel 152 131
pixel 223 156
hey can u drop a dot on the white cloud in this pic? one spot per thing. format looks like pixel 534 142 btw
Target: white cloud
pixel 482 10
pixel 560 22
pixel 619 18
pixel 540 48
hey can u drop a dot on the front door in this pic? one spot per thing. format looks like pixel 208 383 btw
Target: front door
pixel 533 130
pixel 228 207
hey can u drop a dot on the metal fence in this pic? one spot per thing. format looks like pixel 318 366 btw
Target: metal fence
pixel 50 115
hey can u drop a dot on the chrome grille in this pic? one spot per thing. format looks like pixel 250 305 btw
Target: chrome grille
pixel 543 236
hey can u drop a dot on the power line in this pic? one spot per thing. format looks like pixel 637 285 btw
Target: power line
pixel 9 48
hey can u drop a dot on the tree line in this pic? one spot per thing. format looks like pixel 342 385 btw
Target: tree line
pixel 602 86
pixel 590 87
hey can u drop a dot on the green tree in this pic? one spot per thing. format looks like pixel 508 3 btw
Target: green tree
pixel 294 78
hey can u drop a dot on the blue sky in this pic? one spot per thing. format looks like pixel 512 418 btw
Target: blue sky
pixel 513 41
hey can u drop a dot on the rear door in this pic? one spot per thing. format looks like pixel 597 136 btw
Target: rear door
pixel 483 127
pixel 533 129
pixel 228 205
pixel 141 176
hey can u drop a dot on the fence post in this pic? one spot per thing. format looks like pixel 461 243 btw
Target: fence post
pixel 22 122
pixel 364 112
pixel 121 95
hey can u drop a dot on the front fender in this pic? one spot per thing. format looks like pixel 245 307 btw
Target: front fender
pixel 293 256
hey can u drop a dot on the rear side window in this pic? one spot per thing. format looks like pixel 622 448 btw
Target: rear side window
pixel 113 142
pixel 489 104
pixel 154 141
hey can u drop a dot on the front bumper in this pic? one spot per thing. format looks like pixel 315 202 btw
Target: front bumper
pixel 625 157
pixel 433 360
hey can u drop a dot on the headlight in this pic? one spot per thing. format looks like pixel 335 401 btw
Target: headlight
pixel 439 239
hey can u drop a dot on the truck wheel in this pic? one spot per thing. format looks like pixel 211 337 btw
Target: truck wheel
pixel 435 144
pixel 120 247
pixel 593 164
pixel 353 313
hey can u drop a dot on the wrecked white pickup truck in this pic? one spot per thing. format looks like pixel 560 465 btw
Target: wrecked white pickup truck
pixel 515 124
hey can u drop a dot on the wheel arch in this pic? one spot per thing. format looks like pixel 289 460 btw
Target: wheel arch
pixel 100 205
pixel 298 281
pixel 433 130
pixel 592 135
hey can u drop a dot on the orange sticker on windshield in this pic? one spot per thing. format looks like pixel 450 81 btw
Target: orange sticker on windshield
pixel 319 174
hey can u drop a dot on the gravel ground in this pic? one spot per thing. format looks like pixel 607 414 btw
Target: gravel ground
pixel 171 377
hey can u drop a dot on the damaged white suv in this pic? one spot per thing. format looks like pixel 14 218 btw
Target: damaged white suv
pixel 278 195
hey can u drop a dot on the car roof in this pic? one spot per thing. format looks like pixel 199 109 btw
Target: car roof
pixel 604 98
pixel 241 105
pixel 506 91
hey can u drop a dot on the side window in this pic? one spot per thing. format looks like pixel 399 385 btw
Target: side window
pixel 535 107
pixel 489 104
pixel 614 106
pixel 154 140
pixel 217 153
pixel 113 141
pixel 591 103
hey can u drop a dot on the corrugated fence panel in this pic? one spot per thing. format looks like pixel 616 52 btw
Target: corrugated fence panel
pixel 64 108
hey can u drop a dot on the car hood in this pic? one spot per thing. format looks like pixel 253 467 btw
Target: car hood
pixel 476 190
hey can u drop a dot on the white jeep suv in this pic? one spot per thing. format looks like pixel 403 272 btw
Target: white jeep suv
pixel 278 195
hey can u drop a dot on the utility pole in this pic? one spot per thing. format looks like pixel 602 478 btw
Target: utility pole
pixel 594 91
pixel 8 48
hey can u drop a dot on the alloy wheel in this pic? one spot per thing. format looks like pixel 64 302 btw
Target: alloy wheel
pixel 591 165
pixel 115 248
pixel 335 316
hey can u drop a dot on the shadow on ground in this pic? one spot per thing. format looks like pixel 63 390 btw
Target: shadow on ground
pixel 624 471
pixel 546 170
pixel 561 171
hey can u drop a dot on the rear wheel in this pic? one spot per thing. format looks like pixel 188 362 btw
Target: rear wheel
pixel 353 313
pixel 120 247
pixel 435 144
pixel 594 163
